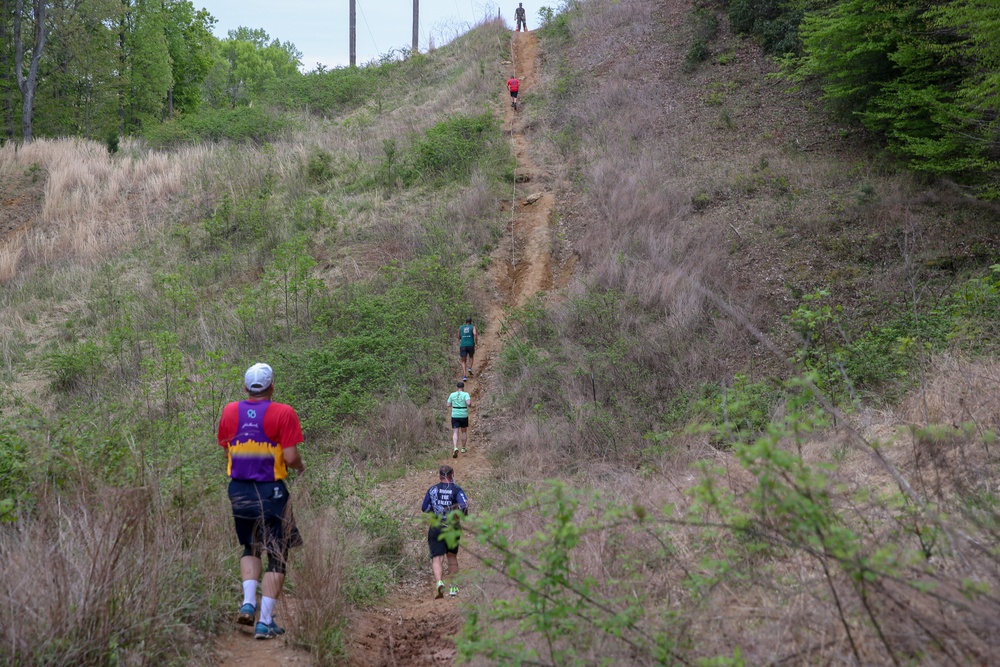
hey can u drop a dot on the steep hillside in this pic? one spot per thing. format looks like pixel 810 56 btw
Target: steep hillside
pixel 736 397
pixel 770 395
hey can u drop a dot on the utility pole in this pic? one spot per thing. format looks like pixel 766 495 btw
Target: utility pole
pixel 354 34
pixel 416 27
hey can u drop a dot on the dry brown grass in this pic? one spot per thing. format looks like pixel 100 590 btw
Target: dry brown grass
pixel 95 203
pixel 103 576
pixel 790 603
pixel 725 180
pixel 319 568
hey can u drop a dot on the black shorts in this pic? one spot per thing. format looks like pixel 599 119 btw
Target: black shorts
pixel 460 422
pixel 467 350
pixel 513 94
pixel 438 546
pixel 263 516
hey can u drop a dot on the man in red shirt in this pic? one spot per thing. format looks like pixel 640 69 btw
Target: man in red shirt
pixel 512 85
pixel 261 440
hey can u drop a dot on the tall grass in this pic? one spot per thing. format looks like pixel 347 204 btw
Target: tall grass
pixel 735 570
pixel 109 575
pixel 95 203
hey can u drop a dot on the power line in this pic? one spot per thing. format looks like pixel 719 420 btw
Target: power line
pixel 365 19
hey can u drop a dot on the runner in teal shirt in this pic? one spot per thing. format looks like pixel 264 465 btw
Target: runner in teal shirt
pixel 468 338
pixel 459 401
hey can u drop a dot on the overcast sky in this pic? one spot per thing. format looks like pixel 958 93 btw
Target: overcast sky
pixel 319 28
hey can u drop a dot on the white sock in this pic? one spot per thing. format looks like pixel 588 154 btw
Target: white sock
pixel 250 592
pixel 267 609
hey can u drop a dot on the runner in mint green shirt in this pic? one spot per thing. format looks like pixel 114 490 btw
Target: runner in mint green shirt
pixel 459 401
pixel 468 338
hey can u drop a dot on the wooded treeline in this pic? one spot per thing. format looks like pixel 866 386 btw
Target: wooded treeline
pixel 96 68
pixel 922 74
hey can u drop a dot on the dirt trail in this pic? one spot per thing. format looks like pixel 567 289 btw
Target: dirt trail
pixel 413 628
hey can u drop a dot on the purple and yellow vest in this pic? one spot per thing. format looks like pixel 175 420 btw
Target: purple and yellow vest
pixel 253 457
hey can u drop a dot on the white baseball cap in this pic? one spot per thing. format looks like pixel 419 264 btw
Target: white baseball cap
pixel 258 377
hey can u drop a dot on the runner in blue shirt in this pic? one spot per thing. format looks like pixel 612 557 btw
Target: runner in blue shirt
pixel 442 499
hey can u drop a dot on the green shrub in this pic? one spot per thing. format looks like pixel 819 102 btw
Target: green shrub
pixel 555 22
pixel 774 22
pixel 412 308
pixel 319 166
pixel 329 91
pixel 111 141
pixel 73 368
pixel 885 357
pixel 242 220
pixel 454 147
pixel 740 412
pixel 914 73
pixel 168 134
pixel 242 124
pixel 13 465
pixel 388 167
pixel 561 613
pixel 368 583
pixel 706 26
pixel 385 530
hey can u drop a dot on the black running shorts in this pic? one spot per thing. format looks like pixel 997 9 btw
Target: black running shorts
pixel 262 515
pixel 438 546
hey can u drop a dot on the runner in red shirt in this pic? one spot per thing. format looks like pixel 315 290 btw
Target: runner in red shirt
pixel 261 440
pixel 512 85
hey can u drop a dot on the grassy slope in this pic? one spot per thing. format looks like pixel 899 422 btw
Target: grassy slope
pixel 720 183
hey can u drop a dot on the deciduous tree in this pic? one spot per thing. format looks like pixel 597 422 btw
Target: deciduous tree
pixel 28 82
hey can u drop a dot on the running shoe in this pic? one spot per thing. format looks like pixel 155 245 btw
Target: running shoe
pixel 245 617
pixel 453 591
pixel 463 450
pixel 469 371
pixel 268 630
pixel 464 378
pixel 438 596
pixel 454 454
